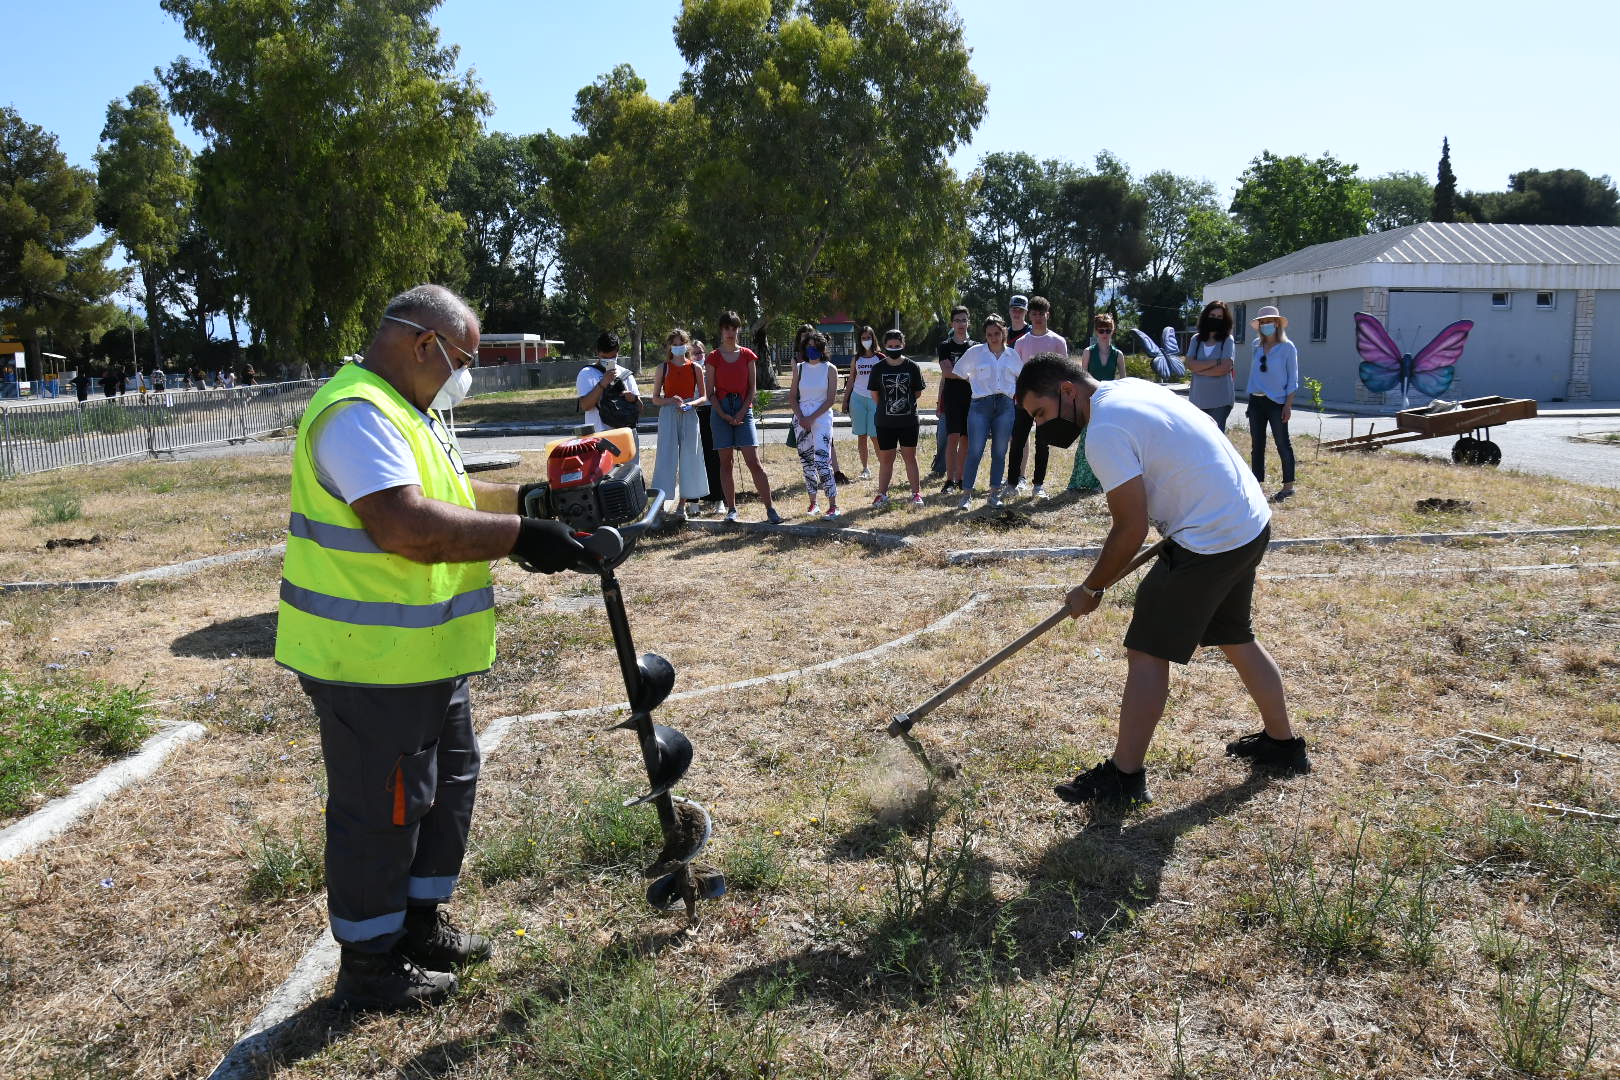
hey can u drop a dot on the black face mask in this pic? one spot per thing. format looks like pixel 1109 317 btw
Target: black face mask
pixel 1060 432
pixel 895 350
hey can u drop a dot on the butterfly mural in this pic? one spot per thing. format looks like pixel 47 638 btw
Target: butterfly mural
pixel 1166 362
pixel 1384 366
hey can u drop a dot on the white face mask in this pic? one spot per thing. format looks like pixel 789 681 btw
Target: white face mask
pixel 677 350
pixel 866 343
pixel 455 388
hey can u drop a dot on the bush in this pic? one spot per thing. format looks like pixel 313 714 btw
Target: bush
pixel 43 730
pixel 56 508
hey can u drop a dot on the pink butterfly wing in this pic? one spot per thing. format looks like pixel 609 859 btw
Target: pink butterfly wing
pixel 1446 348
pixel 1375 345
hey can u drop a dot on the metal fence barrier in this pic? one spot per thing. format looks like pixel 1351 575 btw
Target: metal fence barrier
pixel 38 436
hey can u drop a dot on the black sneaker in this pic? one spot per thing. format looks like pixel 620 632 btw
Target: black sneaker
pixel 1286 755
pixel 949 486
pixel 433 942
pixel 1105 783
pixel 840 478
pixel 387 982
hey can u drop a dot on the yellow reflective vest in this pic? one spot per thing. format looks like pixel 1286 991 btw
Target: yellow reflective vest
pixel 354 614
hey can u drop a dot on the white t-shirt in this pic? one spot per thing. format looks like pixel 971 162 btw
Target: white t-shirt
pixel 588 378
pixel 989 373
pixel 863 375
pixel 1200 493
pixel 357 451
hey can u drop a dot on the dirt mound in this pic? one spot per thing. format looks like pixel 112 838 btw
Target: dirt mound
pixel 75 541
pixel 1437 505
pixel 1006 519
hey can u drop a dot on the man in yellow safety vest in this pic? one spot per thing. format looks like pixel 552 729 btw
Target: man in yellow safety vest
pixel 386 608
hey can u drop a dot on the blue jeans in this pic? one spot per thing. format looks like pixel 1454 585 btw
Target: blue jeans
pixel 989 417
pixel 1265 413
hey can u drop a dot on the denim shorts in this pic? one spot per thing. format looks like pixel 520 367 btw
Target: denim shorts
pixel 862 415
pixel 728 436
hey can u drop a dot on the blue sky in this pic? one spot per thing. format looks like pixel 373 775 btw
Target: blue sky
pixel 1171 85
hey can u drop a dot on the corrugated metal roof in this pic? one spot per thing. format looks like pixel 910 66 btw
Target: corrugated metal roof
pixel 1433 243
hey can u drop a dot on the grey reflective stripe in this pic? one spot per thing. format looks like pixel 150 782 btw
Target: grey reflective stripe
pixel 431 888
pixel 353 932
pixel 381 613
pixel 333 537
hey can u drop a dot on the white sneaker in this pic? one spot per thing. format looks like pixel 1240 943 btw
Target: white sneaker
pixel 832 511
pixel 995 498
pixel 917 499
pixel 731 513
pixel 965 501
pixel 692 508
pixel 1021 487
pixel 866 474
pixel 881 500
pixel 1040 491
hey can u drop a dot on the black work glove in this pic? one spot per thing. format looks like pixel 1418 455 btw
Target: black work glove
pixel 523 497
pixel 545 546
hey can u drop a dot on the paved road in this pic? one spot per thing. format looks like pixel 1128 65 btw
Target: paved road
pixel 1545 445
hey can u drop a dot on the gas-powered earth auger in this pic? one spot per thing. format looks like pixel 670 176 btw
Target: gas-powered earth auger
pixel 594 485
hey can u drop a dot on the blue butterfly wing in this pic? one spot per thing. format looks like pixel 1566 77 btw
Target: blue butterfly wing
pixel 1378 378
pixel 1433 383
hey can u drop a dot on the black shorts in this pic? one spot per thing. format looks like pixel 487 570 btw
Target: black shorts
pixel 1187 600
pixel 955 395
pixel 898 435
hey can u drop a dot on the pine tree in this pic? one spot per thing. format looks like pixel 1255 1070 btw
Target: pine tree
pixel 1445 188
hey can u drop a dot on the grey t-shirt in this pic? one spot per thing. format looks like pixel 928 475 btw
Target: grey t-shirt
pixel 1211 391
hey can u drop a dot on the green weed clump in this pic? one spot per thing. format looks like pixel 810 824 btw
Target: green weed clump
pixel 286 866
pixel 625 1020
pixel 755 862
pixel 1538 1024
pixel 57 508
pixel 46 730
pixel 1580 857
pixel 1369 904
pixel 522 849
pixel 613 836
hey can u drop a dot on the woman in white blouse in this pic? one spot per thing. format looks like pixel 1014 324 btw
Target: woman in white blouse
pixel 991 368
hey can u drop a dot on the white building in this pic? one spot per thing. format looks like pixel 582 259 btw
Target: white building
pixel 1545 301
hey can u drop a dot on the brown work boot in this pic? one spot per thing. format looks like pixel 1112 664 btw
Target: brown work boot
pixel 433 942
pixel 387 982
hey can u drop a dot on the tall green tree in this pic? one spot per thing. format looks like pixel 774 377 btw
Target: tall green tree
pixel 1215 248
pixel 1444 206
pixel 49 281
pixel 1399 199
pixel 1287 203
pixel 1171 201
pixel 332 128
pixel 1104 219
pixel 801 166
pixel 1552 197
pixel 144 187
pixel 511 237
pixel 1007 201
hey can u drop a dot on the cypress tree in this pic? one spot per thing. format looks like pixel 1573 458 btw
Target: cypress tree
pixel 1445 188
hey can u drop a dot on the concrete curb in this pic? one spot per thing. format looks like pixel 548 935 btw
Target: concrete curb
pixel 981 555
pixel 156 573
pixel 308 978
pixel 61 814
pixel 885 541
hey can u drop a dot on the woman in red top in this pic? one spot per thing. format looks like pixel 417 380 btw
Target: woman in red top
pixel 731 386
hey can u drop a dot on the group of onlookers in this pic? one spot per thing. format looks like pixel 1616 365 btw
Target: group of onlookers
pixel 706 405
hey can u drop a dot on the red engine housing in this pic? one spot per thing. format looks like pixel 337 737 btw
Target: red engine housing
pixel 575 463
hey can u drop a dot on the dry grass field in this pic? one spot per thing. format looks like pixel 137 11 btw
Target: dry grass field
pixel 1399 912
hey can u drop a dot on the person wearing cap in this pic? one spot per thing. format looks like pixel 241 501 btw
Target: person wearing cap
pixel 1017 310
pixel 1161 462
pixel 387 607
pixel 1273 381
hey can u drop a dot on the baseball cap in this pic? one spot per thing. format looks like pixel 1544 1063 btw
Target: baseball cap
pixel 1019 300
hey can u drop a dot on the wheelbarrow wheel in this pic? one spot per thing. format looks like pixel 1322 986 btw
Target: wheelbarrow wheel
pixel 1462 451
pixel 1487 452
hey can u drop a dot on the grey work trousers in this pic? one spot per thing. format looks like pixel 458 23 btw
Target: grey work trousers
pixel 401 774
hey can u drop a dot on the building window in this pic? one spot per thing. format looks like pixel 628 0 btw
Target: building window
pixel 1319 318
pixel 1546 301
pixel 1501 301
pixel 1240 322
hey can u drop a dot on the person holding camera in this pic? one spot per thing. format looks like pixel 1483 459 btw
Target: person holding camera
pixel 387 607
pixel 607 390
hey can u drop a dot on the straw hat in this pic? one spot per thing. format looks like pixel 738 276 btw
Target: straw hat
pixel 1268 312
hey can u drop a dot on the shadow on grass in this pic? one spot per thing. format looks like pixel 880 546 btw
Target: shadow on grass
pixel 1081 890
pixel 247 636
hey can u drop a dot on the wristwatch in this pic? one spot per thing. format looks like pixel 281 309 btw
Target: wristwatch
pixel 1095 594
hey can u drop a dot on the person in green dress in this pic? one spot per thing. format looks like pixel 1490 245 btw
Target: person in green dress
pixel 1104 362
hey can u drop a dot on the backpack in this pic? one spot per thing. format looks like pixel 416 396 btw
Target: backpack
pixel 613 407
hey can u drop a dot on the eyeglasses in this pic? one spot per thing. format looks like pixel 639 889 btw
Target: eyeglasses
pixel 439 336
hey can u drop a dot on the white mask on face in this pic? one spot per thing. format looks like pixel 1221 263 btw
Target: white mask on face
pixel 455 388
